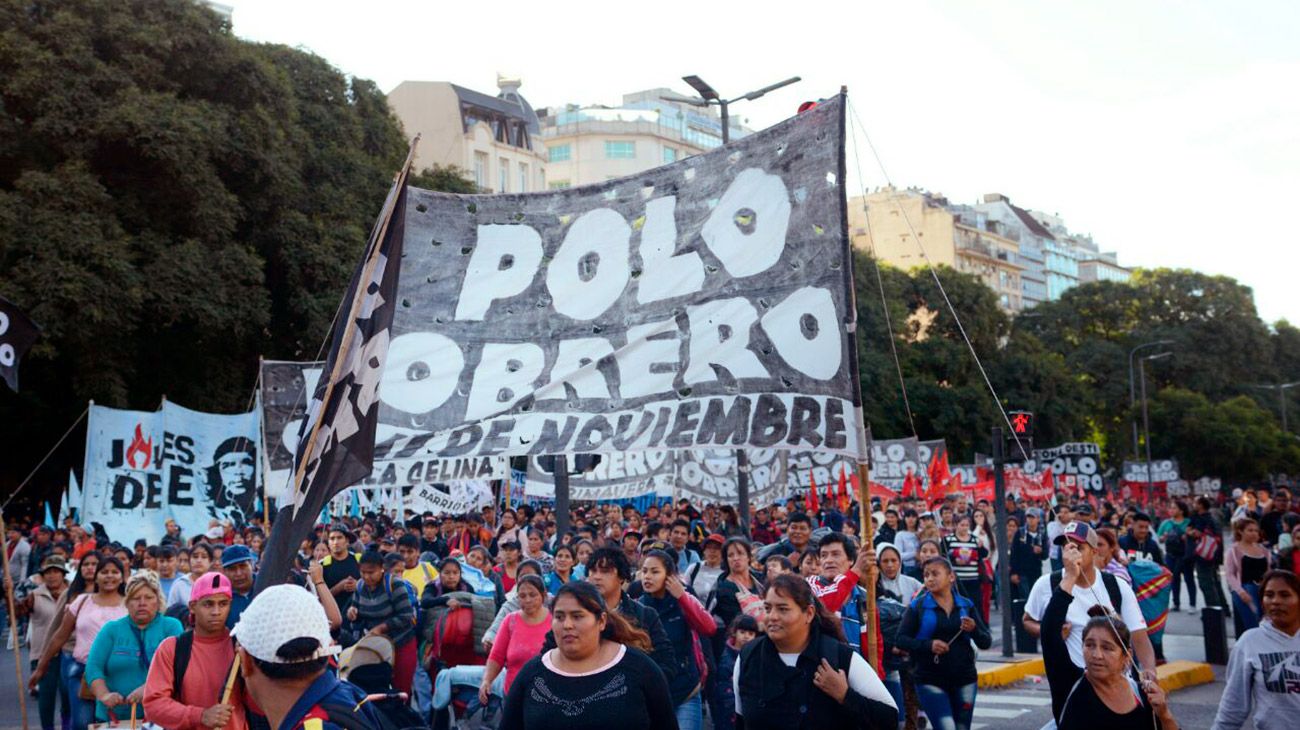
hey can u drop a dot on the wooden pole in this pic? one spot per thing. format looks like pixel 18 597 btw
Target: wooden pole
pixel 867 533
pixel 230 680
pixel 13 624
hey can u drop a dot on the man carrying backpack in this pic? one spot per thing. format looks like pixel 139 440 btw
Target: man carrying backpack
pixel 188 672
pixel 1093 587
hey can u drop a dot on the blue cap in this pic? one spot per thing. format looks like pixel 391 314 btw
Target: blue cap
pixel 237 554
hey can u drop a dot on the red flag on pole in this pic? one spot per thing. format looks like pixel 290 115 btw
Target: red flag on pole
pixel 844 492
pixel 813 505
pixel 938 469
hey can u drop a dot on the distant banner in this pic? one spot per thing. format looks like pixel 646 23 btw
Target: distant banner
pixel 618 477
pixel 893 460
pixel 928 451
pixel 142 468
pixel 457 498
pixel 703 304
pixel 1076 465
pixel 1162 470
pixel 284 405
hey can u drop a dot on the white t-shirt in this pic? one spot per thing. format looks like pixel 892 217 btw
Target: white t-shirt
pixel 862 679
pixel 1054 530
pixel 1084 599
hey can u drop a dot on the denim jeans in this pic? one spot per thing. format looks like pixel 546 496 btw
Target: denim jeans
pixel 690 714
pixel 1246 616
pixel 423 690
pixel 1183 567
pixel 81 711
pixel 948 708
pixel 894 683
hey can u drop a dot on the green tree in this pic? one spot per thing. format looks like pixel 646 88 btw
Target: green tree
pixel 174 202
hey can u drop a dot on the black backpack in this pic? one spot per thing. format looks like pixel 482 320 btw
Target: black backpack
pixel 394 714
pixel 1108 580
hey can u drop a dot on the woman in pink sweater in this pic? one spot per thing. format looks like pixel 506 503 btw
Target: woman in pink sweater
pixel 521 635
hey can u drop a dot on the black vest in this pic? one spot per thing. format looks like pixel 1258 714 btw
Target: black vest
pixel 776 696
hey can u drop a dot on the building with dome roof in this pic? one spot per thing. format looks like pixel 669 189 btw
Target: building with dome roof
pixel 495 140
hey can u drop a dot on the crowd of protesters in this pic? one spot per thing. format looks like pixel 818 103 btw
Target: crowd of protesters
pixel 674 616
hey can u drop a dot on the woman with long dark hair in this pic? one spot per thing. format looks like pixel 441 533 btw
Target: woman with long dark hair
pixel 941 630
pixel 688 627
pixel 1178 558
pixel 83 618
pixel 1100 695
pixel 521 636
pixel 802 674
pixel 1245 564
pixel 597 677
pixel 738 589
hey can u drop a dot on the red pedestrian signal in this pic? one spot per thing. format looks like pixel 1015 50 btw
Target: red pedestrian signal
pixel 1022 423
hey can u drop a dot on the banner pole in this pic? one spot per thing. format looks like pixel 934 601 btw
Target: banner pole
pixel 867 532
pixel 13 623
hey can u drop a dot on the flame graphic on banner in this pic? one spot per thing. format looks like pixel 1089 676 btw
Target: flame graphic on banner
pixel 139 448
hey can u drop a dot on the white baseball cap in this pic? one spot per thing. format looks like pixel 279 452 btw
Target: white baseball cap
pixel 279 615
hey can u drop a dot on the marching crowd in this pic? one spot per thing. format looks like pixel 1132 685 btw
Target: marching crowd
pixel 671 617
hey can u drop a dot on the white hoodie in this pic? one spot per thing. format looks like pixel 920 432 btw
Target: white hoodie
pixel 1263 677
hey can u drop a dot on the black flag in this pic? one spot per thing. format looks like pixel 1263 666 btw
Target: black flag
pixel 336 445
pixel 17 333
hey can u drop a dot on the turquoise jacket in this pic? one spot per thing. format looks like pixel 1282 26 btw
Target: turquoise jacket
pixel 115 657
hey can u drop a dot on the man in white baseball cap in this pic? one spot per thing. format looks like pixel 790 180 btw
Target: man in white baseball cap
pixel 284 647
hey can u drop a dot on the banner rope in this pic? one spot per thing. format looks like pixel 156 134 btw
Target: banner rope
pixel 880 282
pixel 944 292
pixel 47 458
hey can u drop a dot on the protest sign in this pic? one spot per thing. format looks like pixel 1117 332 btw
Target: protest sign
pixel 284 386
pixel 892 460
pixel 143 467
pixel 1162 470
pixel 17 333
pixel 704 304
pixel 618 477
pixel 455 498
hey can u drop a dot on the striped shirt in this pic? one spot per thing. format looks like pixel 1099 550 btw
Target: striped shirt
pixel 389 604
pixel 965 557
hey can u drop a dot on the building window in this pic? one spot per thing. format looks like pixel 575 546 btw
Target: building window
pixel 523 178
pixel 503 174
pixel 620 150
pixel 558 153
pixel 480 169
pixel 558 184
pixel 670 154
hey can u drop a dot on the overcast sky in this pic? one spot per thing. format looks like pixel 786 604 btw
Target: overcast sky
pixel 1170 131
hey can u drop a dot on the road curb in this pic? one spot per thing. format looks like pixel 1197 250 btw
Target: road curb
pixel 1003 674
pixel 1182 674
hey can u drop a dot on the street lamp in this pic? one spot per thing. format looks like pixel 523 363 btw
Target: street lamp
pixel 708 95
pixel 1146 424
pixel 1132 394
pixel 1281 389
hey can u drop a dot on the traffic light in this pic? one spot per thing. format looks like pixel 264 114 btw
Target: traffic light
pixel 1021 436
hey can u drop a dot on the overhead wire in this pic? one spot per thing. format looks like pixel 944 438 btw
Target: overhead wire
pixel 942 291
pixel 880 283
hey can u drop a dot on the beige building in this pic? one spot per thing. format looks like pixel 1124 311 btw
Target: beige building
pixel 592 144
pixel 957 236
pixel 495 140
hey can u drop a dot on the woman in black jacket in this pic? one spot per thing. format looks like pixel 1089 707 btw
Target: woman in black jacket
pixel 941 630
pixel 739 587
pixel 802 674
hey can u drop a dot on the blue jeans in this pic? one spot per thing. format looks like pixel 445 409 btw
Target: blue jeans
pixel 81 711
pixel 690 714
pixel 50 693
pixel 1246 617
pixel 948 708
pixel 894 683
pixel 422 690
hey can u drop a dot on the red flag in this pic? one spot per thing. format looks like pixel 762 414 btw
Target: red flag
pixel 911 485
pixel 938 470
pixel 936 492
pixel 844 491
pixel 830 495
pixel 885 494
pixel 813 505
pixel 955 485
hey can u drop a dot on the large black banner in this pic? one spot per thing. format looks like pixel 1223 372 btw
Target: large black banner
pixel 703 304
pixel 17 333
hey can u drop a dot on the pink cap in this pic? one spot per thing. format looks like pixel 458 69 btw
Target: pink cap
pixel 210 584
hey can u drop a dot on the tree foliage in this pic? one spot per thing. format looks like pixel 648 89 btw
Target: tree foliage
pixel 174 203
